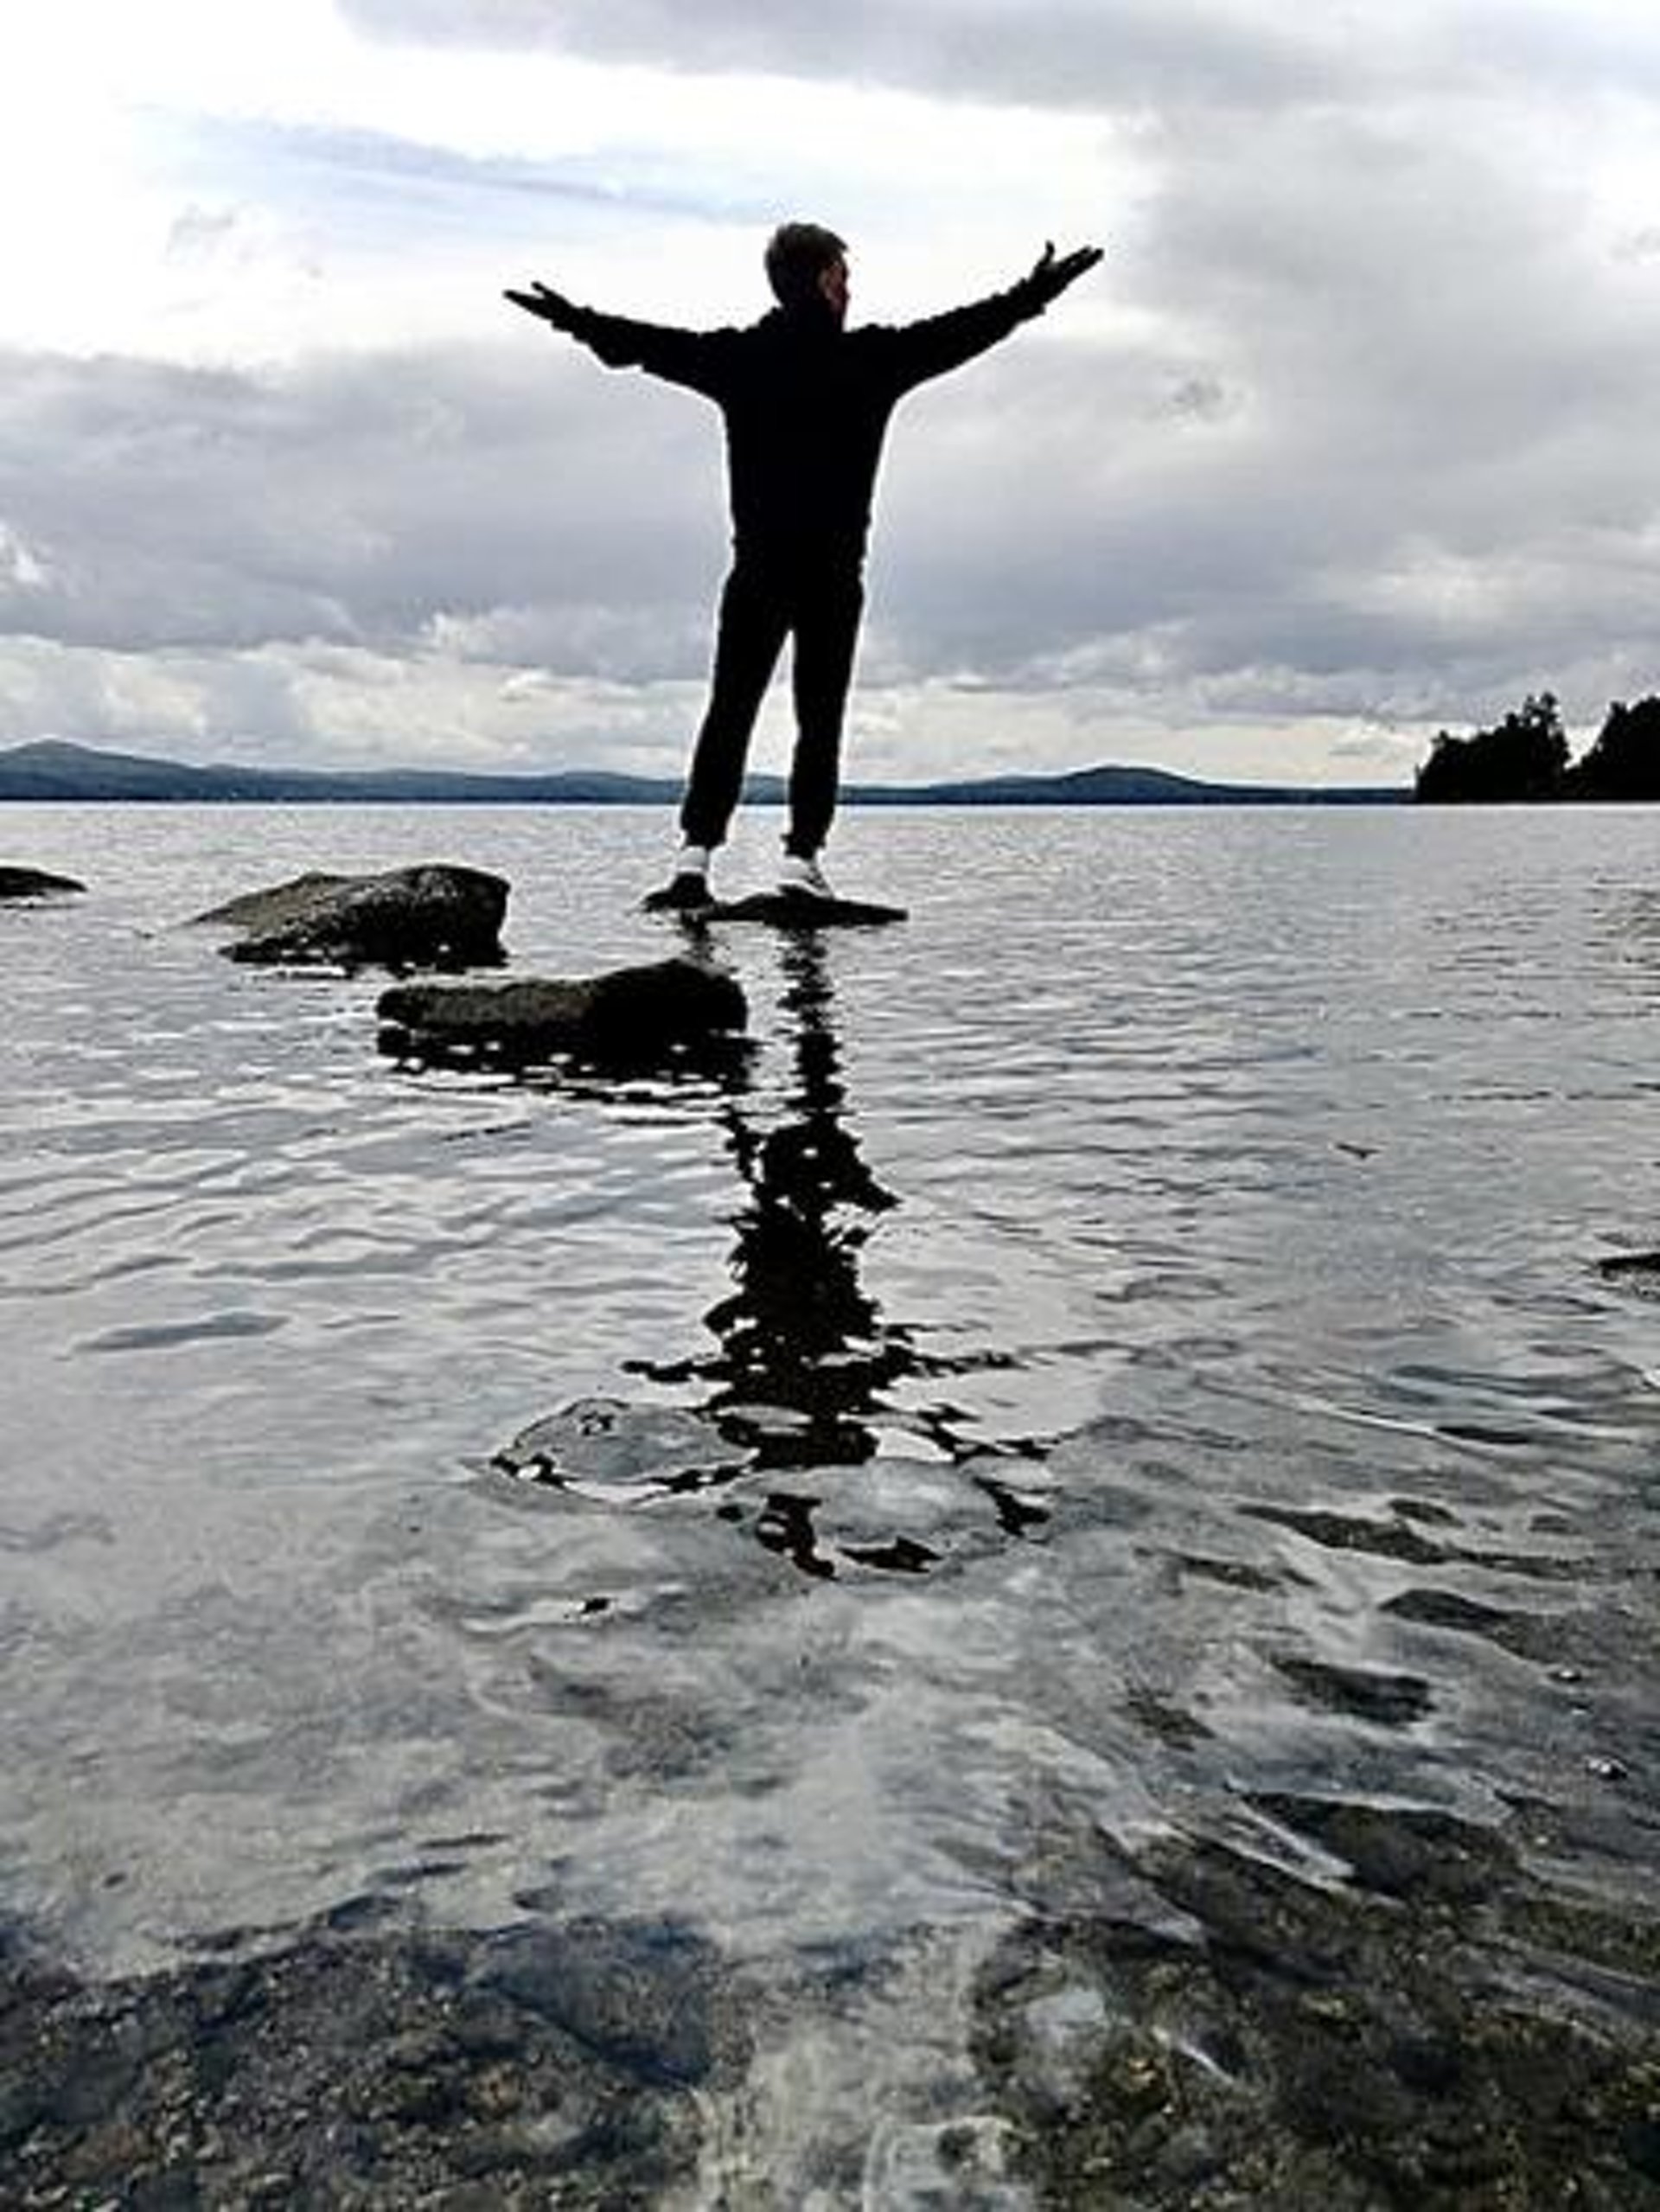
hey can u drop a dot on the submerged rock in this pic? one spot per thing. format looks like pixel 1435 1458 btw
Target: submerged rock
pixel 622 1454
pixel 569 2064
pixel 1404 2015
pixel 630 1014
pixel 34 883
pixel 433 916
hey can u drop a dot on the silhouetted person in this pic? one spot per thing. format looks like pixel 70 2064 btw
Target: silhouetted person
pixel 806 404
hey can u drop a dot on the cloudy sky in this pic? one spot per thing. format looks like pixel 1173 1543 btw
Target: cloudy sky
pixel 1350 437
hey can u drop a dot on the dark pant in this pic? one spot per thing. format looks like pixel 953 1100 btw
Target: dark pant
pixel 760 606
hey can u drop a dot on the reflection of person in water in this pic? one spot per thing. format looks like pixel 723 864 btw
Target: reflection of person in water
pixel 807 1372
pixel 799 1332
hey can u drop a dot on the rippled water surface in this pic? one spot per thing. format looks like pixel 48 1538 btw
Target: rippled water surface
pixel 1126 1376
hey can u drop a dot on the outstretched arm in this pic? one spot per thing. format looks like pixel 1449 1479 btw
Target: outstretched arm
pixel 945 342
pixel 679 356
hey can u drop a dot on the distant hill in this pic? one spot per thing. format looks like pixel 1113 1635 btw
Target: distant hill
pixel 1114 787
pixel 54 769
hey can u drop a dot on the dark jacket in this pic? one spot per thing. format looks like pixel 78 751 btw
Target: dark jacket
pixel 806 404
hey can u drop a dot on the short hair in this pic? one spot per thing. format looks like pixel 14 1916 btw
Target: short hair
pixel 797 256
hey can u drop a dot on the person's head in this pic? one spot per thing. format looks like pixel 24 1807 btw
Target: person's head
pixel 807 264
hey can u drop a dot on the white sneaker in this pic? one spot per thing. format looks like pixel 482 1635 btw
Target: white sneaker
pixel 689 888
pixel 803 878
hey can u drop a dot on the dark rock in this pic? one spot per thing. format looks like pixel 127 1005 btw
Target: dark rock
pixel 1637 1271
pixel 643 1998
pixel 631 1014
pixel 347 2082
pixel 435 916
pixel 34 883
pixel 1443 2030
pixel 787 910
pixel 297 900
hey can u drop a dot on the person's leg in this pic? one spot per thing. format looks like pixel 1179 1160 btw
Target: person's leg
pixel 827 611
pixel 753 618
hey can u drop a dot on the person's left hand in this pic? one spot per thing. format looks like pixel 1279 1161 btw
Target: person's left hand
pixel 1051 278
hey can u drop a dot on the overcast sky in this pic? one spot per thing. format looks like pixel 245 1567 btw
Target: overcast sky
pixel 1351 436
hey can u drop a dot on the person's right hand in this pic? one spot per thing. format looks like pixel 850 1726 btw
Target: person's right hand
pixel 549 305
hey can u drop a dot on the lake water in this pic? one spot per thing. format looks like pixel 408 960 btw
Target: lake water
pixel 1120 1391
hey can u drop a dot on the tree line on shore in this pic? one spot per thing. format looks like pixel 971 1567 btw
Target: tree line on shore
pixel 1524 758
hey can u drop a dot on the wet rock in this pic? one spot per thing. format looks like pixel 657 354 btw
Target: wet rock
pixel 600 1448
pixel 645 1998
pixel 786 910
pixel 34 883
pixel 433 916
pixel 632 1015
pixel 1441 2030
pixel 356 2078
pixel 276 908
pixel 1636 1271
pixel 1420 1856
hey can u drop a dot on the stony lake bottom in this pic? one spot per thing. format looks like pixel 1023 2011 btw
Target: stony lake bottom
pixel 1042 1591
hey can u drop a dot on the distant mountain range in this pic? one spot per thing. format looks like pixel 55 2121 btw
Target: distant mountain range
pixel 54 769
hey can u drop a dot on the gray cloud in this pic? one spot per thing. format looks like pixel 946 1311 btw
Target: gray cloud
pixel 1136 54
pixel 1066 53
pixel 356 499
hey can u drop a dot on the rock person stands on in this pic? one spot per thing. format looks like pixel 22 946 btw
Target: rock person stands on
pixel 805 403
